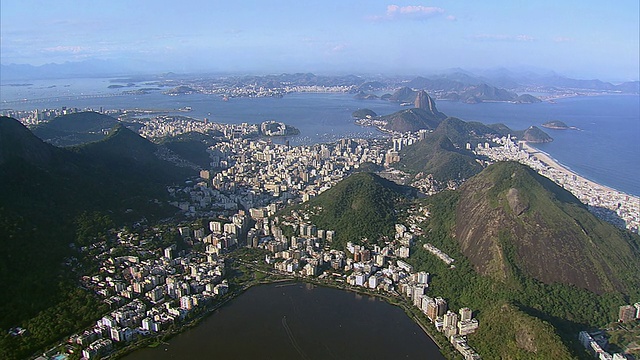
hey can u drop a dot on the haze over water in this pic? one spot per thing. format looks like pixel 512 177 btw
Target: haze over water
pixel 605 149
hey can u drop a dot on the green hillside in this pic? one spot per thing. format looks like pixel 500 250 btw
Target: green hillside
pixel 437 155
pixel 509 207
pixel 52 197
pixel 462 132
pixel 534 135
pixel 124 153
pixel 364 113
pixel 412 120
pixel 191 146
pixel 531 261
pixel 361 206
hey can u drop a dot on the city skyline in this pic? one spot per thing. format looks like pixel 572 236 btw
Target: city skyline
pixel 580 39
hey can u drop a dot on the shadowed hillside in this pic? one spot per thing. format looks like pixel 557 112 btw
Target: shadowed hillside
pixel 47 193
pixel 76 128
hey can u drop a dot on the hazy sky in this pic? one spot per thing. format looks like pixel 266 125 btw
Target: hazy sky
pixel 582 38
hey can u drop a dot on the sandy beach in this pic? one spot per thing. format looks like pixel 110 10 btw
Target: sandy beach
pixel 544 157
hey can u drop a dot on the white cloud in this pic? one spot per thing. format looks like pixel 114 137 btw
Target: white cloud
pixel 338 48
pixel 562 39
pixel 64 49
pixel 392 10
pixel 396 12
pixel 503 37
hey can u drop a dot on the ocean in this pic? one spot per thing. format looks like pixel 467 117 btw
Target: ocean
pixel 605 149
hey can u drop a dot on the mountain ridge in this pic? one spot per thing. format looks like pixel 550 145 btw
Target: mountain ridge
pixel 552 236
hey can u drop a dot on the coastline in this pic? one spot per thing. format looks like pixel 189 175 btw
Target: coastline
pixel 551 162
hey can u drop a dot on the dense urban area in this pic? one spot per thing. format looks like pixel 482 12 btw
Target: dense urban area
pixel 153 286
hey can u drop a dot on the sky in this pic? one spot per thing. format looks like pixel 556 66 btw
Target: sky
pixel 583 39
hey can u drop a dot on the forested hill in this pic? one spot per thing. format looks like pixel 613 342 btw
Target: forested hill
pixel 53 200
pixel 362 206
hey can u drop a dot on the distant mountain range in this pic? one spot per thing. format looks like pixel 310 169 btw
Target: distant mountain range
pixel 454 84
pixel 80 69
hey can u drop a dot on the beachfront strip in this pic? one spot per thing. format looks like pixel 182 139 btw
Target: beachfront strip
pixel 618 208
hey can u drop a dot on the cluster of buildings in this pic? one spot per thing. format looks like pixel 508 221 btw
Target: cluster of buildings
pixel 595 343
pixel 254 90
pixel 439 253
pixel 373 267
pixel 273 128
pixel 613 206
pixel 148 290
pixel 255 173
pixel 277 89
pixel 169 125
pixel 35 117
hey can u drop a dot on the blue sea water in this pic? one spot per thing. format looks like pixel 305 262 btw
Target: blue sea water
pixel 606 149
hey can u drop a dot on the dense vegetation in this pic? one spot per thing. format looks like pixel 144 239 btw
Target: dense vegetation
pixel 52 201
pixel 191 146
pixel 520 317
pixel 364 113
pixel 534 135
pixel 363 206
pixel 554 237
pixel 437 155
pixel 462 132
pixel 75 128
pixel 412 120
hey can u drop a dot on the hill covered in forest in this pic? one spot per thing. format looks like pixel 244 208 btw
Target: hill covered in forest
pixel 47 194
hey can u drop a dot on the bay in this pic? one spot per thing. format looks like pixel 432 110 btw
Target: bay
pixel 605 149
pixel 299 321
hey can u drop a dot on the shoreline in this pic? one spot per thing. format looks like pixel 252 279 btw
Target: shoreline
pixel 556 165
pixel 166 337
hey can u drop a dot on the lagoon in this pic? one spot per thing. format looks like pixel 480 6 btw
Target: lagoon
pixel 300 321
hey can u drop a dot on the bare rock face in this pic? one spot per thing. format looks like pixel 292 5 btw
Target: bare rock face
pixel 516 203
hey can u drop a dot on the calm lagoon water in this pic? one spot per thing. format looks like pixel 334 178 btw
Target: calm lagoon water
pixel 300 321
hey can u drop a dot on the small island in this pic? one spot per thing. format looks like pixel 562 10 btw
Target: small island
pixel 558 125
pixel 364 114
pixel 274 128
pixel 361 95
